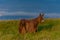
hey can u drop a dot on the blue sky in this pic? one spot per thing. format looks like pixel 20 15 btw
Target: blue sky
pixel 30 7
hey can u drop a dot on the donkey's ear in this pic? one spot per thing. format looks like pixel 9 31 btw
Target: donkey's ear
pixel 40 14
pixel 43 14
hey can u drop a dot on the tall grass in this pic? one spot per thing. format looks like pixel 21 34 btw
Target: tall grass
pixel 49 30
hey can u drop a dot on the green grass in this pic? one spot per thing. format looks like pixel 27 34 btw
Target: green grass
pixel 50 29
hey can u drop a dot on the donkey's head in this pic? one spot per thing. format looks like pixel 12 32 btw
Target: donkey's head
pixel 40 18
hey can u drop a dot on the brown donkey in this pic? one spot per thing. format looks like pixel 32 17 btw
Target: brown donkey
pixel 30 25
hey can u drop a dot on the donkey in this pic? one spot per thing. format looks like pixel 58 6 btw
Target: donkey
pixel 30 25
pixel 22 26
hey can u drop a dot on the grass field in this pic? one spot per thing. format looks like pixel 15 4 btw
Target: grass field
pixel 49 30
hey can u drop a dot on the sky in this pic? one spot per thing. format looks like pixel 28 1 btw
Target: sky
pixel 30 7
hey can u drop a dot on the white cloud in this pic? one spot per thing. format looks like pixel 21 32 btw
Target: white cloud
pixel 28 13
pixel 0 14
pixel 54 15
pixel 18 13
